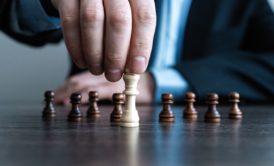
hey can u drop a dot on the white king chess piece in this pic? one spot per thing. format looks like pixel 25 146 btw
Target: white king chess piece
pixel 130 117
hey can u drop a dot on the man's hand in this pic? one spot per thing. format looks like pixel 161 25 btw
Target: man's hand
pixel 108 35
pixel 86 82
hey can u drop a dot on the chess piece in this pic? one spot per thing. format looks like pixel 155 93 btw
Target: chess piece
pixel 75 113
pixel 118 100
pixel 130 117
pixel 93 110
pixel 234 111
pixel 212 115
pixel 49 110
pixel 166 115
pixel 190 112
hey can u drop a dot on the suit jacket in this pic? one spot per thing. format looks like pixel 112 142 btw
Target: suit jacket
pixel 11 24
pixel 3 4
pixel 229 46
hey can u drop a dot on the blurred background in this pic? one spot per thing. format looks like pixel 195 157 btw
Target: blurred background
pixel 26 72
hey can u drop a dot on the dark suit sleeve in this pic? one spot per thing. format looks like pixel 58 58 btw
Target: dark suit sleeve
pixel 249 69
pixel 27 22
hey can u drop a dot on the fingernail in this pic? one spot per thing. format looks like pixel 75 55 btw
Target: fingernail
pixel 138 64
pixel 114 75
pixel 96 69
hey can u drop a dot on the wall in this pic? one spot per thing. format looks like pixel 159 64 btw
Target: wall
pixel 26 72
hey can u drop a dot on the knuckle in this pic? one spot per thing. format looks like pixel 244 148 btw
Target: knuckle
pixel 143 45
pixel 119 18
pixel 114 58
pixel 91 15
pixel 69 19
pixel 74 82
pixel 146 15
pixel 94 57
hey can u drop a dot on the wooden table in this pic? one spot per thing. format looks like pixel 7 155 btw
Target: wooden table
pixel 25 139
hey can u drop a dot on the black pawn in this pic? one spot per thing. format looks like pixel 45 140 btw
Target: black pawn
pixel 75 113
pixel 234 111
pixel 49 110
pixel 212 115
pixel 117 99
pixel 166 115
pixel 93 110
pixel 190 112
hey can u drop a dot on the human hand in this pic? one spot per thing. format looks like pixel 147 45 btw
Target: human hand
pixel 108 35
pixel 86 82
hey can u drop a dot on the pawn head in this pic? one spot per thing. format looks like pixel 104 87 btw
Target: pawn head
pixel 234 95
pixel 167 98
pixel 75 98
pixel 190 96
pixel 93 95
pixel 212 98
pixel 49 94
pixel 118 97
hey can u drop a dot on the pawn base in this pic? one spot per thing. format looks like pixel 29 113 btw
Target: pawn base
pixel 93 115
pixel 212 120
pixel 235 116
pixel 75 117
pixel 163 117
pixel 48 114
pixel 190 116
pixel 167 119
pixel 129 124
pixel 115 119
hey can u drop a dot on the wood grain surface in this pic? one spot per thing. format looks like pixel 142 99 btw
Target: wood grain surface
pixel 27 139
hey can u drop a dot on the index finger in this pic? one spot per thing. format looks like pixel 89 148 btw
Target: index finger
pixel 69 14
pixel 144 23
